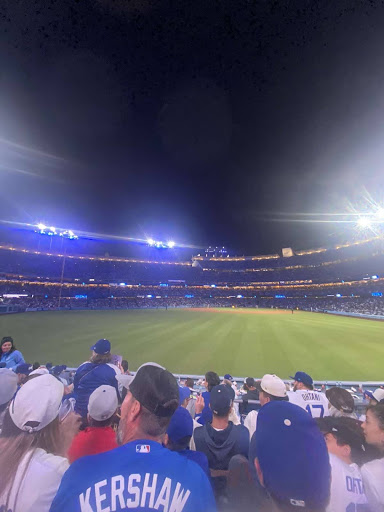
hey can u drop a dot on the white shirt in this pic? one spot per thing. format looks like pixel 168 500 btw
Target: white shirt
pixel 251 422
pixel 373 477
pixel 314 402
pixel 347 488
pixel 36 487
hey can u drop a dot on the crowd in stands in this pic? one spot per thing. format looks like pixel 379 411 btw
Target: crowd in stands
pixel 104 439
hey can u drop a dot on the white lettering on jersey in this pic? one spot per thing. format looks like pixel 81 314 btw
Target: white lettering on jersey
pixel 133 489
pixel 347 489
pixel 141 491
pixel 117 491
pixel 100 497
pixel 315 403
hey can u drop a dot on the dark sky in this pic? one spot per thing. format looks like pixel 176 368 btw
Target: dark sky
pixel 198 121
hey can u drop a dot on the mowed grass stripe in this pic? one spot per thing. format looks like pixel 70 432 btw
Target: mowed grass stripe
pixel 251 342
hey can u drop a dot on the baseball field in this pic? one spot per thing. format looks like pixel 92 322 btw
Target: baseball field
pixel 237 341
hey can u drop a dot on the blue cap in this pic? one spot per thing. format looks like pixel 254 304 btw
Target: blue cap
pixel 181 425
pixel 304 378
pixel 227 376
pixel 24 368
pixel 102 347
pixel 184 393
pixel 220 399
pixel 292 454
pixel 56 370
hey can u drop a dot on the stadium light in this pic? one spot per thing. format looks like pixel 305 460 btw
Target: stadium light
pixel 150 241
pixel 41 226
pixel 364 222
pixel 171 244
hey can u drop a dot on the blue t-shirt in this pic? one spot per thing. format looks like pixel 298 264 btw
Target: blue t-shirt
pixel 141 475
pixel 12 359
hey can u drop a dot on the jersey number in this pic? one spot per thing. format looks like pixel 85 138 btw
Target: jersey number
pixel 312 410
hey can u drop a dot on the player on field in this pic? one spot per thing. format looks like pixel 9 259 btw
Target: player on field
pixel 347 451
pixel 303 395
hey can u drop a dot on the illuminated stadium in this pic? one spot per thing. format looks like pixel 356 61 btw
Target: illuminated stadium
pixel 305 308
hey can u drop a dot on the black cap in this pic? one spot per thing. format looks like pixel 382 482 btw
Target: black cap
pixel 341 399
pixel 347 431
pixel 250 382
pixel 156 389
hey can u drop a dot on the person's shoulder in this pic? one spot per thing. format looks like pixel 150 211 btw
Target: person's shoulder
pixel 47 462
pixel 373 466
pixel 241 429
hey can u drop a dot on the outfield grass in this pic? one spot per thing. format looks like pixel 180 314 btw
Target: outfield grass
pixel 240 342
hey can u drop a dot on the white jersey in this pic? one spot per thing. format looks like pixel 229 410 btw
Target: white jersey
pixel 373 477
pixel 251 422
pixel 347 488
pixel 314 402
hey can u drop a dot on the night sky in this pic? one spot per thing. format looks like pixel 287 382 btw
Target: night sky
pixel 204 122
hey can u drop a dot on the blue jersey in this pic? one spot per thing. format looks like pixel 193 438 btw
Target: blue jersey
pixel 141 475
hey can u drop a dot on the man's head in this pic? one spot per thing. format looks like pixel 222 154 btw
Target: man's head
pixel 221 400
pixel 184 396
pixel 250 383
pixel 302 380
pixel 211 380
pixel 375 397
pixel 341 402
pixel 124 365
pixel 189 383
pixel 22 371
pixel 291 458
pixel 344 438
pixel 271 388
pixel 102 406
pixel 180 430
pixel 152 398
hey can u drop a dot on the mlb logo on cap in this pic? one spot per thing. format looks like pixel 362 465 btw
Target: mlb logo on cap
pixel 143 448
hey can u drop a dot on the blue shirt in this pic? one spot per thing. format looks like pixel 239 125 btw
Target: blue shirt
pixel 12 359
pixel 141 475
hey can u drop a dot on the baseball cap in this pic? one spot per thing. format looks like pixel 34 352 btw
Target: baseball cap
pixel 59 368
pixel 102 403
pixel 184 393
pixel 181 425
pixel 377 395
pixel 293 456
pixel 304 378
pixel 102 347
pixel 23 368
pixel 341 399
pixel 37 403
pixel 227 376
pixel 273 385
pixel 155 388
pixel 346 430
pixel 126 380
pixel 250 382
pixel 8 385
pixel 220 399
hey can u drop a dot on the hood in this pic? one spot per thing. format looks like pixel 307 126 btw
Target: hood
pixel 222 440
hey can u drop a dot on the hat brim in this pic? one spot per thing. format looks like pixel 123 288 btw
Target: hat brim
pixel 369 394
pixel 124 380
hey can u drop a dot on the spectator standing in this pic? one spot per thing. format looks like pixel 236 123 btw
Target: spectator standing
pixel 8 387
pixel 251 394
pixel 203 411
pixel 96 372
pixel 140 474
pixel 375 397
pixel 291 460
pixel 270 388
pixel 346 447
pixel 178 438
pixel 373 472
pixel 33 445
pixel 189 383
pixel 341 403
pixel 303 395
pixel 99 436
pixel 220 439
pixel 9 355
pixel 22 371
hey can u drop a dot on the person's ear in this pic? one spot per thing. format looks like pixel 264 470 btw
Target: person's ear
pixel 346 451
pixel 259 472
pixel 165 440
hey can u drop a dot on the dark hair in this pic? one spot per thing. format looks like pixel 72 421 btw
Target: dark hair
pixel 8 339
pixel 152 425
pixel 275 398
pixel 35 366
pixel 180 445
pixel 223 414
pixel 15 444
pixel 124 365
pixel 213 380
pixel 101 358
pixel 189 383
pixel 378 411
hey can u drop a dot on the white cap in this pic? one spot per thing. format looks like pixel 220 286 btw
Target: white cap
pixel 273 385
pixel 38 401
pixel 126 380
pixel 102 403
pixel 40 371
pixel 378 394
pixel 8 385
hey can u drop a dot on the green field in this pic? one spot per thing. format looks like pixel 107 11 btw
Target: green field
pixel 240 342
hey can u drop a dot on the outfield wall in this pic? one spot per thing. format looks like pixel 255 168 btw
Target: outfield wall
pixel 356 315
